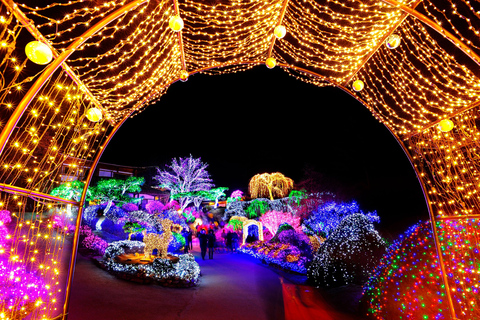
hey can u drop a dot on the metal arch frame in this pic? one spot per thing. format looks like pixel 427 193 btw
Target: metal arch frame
pixel 15 117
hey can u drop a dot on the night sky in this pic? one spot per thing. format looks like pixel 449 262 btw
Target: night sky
pixel 266 121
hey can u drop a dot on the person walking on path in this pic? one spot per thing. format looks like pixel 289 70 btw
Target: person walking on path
pixel 202 237
pixel 234 241
pixel 211 243
pixel 185 234
pixel 190 239
pixel 229 241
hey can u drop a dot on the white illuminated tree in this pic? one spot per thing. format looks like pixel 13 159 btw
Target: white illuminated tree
pixel 184 175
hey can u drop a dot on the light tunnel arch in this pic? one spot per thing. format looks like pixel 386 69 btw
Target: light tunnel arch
pixel 61 58
pixel 340 86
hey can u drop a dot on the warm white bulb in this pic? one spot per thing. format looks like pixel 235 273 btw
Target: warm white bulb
pixel 176 23
pixel 280 31
pixel 270 63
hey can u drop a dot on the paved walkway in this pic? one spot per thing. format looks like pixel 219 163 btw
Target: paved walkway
pixel 232 286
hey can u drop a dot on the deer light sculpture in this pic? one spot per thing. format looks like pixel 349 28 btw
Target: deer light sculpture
pixel 158 241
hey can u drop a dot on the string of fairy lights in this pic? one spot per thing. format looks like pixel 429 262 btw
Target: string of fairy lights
pixel 410 82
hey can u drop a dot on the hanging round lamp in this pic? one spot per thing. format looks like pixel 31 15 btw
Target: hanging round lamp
pixel 270 63
pixel 393 41
pixel 176 23
pixel 280 31
pixel 38 52
pixel 445 125
pixel 184 75
pixel 357 85
pixel 94 114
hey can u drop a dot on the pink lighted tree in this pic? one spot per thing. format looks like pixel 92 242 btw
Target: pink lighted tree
pixel 273 219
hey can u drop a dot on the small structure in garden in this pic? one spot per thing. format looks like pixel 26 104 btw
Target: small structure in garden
pixel 248 223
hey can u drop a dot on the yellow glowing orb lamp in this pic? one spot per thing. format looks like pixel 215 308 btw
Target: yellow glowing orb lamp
pixel 445 125
pixel 393 41
pixel 94 114
pixel 184 75
pixel 38 52
pixel 176 23
pixel 357 85
pixel 280 31
pixel 270 63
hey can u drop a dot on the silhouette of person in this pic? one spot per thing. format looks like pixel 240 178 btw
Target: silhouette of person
pixel 229 242
pixel 211 243
pixel 202 237
pixel 190 239
pixel 234 241
pixel 187 243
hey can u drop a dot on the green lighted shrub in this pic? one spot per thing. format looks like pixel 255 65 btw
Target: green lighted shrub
pixel 257 208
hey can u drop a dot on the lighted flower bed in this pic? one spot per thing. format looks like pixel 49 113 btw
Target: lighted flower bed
pixel 176 271
pixel 284 256
pixel 288 250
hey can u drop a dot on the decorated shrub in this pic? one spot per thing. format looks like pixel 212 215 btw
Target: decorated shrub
pixel 236 222
pixel 349 254
pixel 176 271
pixel 154 207
pixel 20 291
pixel 282 255
pixel 326 217
pixel 92 242
pixel 105 216
pixel 298 240
pixel 408 284
pixel 129 207
pixel 273 219
pixel 256 208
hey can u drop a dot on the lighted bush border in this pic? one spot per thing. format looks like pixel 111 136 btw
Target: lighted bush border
pixel 184 273
pixel 285 252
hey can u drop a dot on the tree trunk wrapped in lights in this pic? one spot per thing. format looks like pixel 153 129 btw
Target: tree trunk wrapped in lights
pixel 270 185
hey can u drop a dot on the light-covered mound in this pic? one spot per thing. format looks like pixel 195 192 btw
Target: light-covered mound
pixel 175 271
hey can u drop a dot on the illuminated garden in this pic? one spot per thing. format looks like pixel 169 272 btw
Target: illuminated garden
pixel 73 72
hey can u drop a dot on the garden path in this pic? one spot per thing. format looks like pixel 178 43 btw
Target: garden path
pixel 232 286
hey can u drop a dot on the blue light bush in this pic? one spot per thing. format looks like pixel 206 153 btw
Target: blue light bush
pixel 327 217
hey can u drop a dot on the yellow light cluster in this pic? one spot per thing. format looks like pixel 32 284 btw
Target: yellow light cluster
pixel 452 177
pixel 417 83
